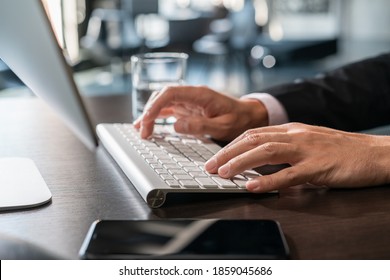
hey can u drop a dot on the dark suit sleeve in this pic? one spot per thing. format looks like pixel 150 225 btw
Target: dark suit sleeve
pixel 354 97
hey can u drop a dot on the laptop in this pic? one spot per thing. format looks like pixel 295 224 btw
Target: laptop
pixel 167 163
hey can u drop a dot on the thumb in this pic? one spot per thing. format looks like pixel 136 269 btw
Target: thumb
pixel 284 178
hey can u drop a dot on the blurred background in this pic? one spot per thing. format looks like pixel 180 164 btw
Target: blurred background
pixel 235 46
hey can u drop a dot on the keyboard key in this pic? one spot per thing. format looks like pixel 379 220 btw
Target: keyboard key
pixel 171 166
pixel 240 181
pixel 191 168
pixel 189 184
pixel 173 183
pixel 166 177
pixel 161 171
pixel 250 174
pixel 224 183
pixel 207 182
pixel 197 174
pixel 182 177
pixel 176 171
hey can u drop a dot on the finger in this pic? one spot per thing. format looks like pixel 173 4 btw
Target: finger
pixel 268 154
pixel 186 110
pixel 288 128
pixel 146 128
pixel 151 99
pixel 171 95
pixel 253 144
pixel 194 125
pixel 258 131
pixel 137 122
pixel 288 177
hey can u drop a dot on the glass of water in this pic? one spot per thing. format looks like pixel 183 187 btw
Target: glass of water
pixel 152 72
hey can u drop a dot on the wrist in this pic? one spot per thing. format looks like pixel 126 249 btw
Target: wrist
pixel 256 112
pixel 276 113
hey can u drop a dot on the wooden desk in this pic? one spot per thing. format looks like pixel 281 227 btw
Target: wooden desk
pixel 86 186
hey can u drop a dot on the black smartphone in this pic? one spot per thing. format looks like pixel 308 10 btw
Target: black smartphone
pixel 185 239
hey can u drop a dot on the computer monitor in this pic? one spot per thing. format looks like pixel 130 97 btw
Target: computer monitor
pixel 29 48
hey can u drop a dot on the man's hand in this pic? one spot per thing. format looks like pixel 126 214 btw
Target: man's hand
pixel 200 110
pixel 316 155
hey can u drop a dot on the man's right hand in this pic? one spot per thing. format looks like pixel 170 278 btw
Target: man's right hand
pixel 202 111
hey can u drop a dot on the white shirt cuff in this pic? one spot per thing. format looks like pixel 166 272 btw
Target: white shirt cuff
pixel 276 112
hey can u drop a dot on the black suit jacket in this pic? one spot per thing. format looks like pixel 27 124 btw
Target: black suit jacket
pixel 354 97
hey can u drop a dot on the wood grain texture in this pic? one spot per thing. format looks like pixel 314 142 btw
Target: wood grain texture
pixel 86 186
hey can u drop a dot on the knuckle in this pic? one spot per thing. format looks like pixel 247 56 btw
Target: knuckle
pixel 246 133
pixel 169 91
pixel 251 137
pixel 295 124
pixel 296 127
pixel 300 132
pixel 269 182
pixel 166 89
pixel 202 87
pixel 225 153
pixel 270 148
pixel 196 126
pixel 292 177
pixel 160 91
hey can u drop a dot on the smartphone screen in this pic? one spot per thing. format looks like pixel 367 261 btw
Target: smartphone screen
pixel 185 239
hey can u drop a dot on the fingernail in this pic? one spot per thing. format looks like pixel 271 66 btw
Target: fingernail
pixel 210 165
pixel 224 170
